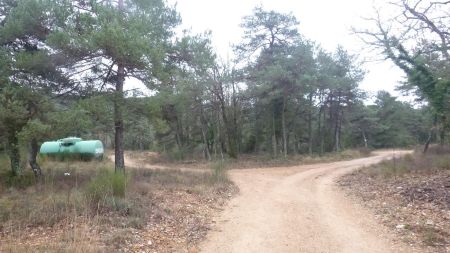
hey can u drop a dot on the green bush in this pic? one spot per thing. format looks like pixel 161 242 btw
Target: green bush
pixel 119 184
pixel 117 204
pixel 9 180
pixel 22 181
pixel 6 207
pixel 106 184
pixel 179 154
pixel 4 162
pixel 176 154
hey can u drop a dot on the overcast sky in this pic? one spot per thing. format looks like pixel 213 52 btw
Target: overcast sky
pixel 327 22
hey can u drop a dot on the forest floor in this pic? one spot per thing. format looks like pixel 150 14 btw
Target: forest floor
pixel 409 195
pixel 162 211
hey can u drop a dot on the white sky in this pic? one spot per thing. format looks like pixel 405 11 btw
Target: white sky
pixel 326 22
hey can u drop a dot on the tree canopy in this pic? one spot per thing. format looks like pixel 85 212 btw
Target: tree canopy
pixel 65 66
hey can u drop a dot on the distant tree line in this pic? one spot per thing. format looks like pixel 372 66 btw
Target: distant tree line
pixel 63 66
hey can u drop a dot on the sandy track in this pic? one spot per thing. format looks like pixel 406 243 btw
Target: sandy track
pixel 298 209
pixel 139 164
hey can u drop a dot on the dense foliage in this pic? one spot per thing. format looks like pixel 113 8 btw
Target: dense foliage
pixel 417 40
pixel 64 65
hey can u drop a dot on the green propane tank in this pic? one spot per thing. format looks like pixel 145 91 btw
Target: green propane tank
pixel 73 147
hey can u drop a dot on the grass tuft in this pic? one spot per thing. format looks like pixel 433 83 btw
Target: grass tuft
pixel 219 174
pixel 80 199
pixel 435 159
pixel 106 186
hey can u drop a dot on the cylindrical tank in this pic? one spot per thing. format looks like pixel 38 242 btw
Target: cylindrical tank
pixel 90 148
pixel 73 147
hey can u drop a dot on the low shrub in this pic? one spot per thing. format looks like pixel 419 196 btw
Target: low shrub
pixel 443 162
pixel 104 185
pixel 177 154
pixel 438 150
pixel 38 209
pixel 22 181
pixel 395 167
pixel 219 174
pixel 365 151
pixel 437 158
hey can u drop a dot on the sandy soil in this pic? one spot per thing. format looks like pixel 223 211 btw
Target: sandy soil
pixel 139 163
pixel 299 209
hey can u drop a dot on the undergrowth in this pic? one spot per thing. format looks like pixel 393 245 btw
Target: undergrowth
pixel 412 190
pixel 255 161
pixel 90 194
pixel 437 158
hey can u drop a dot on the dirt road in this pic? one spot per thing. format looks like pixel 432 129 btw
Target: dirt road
pixel 298 209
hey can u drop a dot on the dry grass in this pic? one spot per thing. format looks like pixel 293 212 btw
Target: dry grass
pixel 248 161
pixel 259 161
pixel 75 237
pixel 85 207
pixel 413 191
pixel 437 158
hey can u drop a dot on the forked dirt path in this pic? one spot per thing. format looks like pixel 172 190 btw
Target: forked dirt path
pixel 298 209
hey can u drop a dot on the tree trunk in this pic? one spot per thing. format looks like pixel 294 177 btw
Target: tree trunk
pixel 336 126
pixel 365 139
pixel 427 143
pixel 442 131
pixel 310 136
pixel 232 150
pixel 206 146
pixel 430 135
pixel 229 128
pixel 338 141
pixel 274 137
pixel 203 125
pixel 14 153
pixel 33 152
pixel 320 131
pixel 118 114
pixel 257 132
pixel 118 120
pixel 236 130
pixel 340 128
pixel 283 126
pixel 295 143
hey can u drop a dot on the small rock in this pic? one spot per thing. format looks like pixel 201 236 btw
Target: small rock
pixel 429 223
pixel 400 226
pixel 399 187
pixel 149 242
